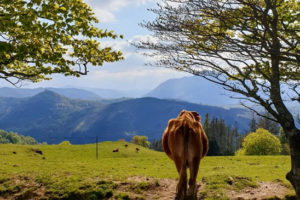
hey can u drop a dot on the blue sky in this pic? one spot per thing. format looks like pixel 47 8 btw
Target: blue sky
pixel 122 16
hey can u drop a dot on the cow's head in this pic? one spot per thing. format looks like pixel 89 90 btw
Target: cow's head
pixel 190 114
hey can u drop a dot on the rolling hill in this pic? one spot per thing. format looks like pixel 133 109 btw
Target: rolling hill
pixel 53 118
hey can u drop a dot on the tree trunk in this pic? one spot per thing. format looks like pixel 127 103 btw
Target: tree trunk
pixel 294 175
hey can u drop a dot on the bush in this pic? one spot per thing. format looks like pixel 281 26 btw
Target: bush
pixel 66 142
pixel 261 142
pixel 141 140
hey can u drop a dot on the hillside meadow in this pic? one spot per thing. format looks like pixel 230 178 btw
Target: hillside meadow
pixel 73 172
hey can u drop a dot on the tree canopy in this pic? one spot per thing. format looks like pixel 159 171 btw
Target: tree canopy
pixel 15 138
pixel 140 140
pixel 250 47
pixel 42 37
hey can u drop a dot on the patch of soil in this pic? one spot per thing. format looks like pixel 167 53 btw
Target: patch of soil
pixel 264 190
pixel 160 189
pixel 165 189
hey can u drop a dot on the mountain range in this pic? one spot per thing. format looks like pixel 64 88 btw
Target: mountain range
pixel 52 118
pixel 191 89
pixel 72 93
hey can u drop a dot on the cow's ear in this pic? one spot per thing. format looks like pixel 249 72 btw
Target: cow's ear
pixel 196 115
pixel 181 113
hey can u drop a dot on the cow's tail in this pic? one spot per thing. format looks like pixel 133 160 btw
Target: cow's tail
pixel 186 135
pixel 183 173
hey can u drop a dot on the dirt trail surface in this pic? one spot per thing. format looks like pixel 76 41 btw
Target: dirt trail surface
pixel 167 187
pixel 263 191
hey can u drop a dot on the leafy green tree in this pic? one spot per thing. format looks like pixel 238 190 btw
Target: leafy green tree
pixel 141 140
pixel 28 140
pixel 42 37
pixel 15 138
pixel 261 142
pixel 249 47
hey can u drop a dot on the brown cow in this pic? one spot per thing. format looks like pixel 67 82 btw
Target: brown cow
pixel 115 150
pixel 185 142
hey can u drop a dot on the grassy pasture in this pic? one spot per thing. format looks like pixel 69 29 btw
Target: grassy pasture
pixel 72 171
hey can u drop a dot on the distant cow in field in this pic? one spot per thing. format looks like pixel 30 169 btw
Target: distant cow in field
pixel 126 145
pixel 116 150
pixel 185 142
pixel 137 149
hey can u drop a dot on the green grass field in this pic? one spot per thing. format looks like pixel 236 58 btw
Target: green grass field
pixel 73 172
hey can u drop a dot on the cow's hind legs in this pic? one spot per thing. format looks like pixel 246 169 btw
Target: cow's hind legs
pixel 182 184
pixel 192 191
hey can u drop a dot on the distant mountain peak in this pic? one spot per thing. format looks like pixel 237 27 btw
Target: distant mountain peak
pixel 71 93
pixel 193 89
pixel 48 95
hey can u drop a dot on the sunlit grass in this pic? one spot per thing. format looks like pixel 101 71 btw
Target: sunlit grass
pixel 71 169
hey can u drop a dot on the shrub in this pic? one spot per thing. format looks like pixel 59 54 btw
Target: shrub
pixel 261 142
pixel 141 140
pixel 66 142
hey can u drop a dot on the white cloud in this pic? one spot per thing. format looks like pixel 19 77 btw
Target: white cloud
pixel 128 49
pixel 138 79
pixel 146 78
pixel 105 9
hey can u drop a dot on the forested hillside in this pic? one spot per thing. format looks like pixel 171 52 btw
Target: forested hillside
pixel 53 118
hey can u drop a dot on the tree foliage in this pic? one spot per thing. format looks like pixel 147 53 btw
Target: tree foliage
pixel 141 140
pixel 15 138
pixel 261 142
pixel 251 48
pixel 42 37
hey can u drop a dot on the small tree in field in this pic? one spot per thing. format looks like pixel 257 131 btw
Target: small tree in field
pixel 261 142
pixel 141 140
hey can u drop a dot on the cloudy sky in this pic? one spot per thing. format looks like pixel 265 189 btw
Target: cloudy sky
pixel 122 16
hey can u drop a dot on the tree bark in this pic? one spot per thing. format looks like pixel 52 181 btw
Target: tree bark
pixel 294 175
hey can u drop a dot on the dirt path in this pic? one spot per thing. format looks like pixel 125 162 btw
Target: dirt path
pixel 264 191
pixel 167 187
